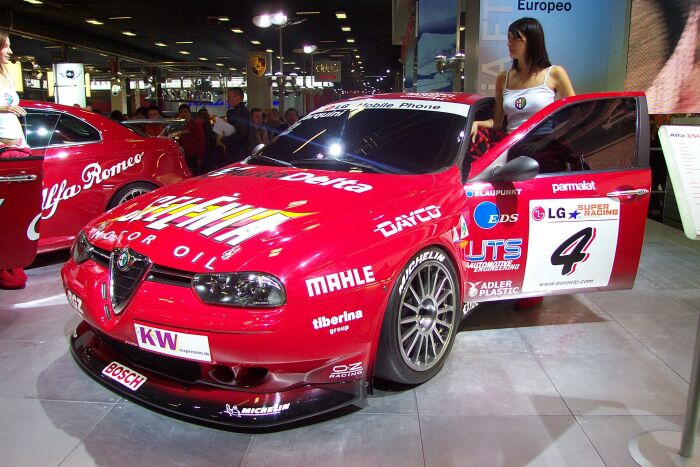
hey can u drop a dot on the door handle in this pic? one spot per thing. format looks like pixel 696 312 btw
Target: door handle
pixel 18 178
pixel 617 194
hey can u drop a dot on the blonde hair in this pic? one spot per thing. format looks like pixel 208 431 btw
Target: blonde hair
pixel 4 39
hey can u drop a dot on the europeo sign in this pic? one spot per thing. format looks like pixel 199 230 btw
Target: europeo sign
pixel 327 71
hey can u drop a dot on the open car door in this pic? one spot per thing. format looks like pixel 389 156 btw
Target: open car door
pixel 20 210
pixel 578 225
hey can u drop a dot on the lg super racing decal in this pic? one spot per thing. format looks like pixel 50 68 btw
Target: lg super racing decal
pixel 580 248
pixel 225 218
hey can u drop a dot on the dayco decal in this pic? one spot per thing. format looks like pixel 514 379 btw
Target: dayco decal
pixel 482 193
pixel 234 411
pixel 92 175
pixel 307 177
pixel 389 228
pixel 339 281
pixel 124 375
pixel 583 186
pixel 345 371
pixel 232 222
pixel 413 264
pixel 491 288
pixel 323 322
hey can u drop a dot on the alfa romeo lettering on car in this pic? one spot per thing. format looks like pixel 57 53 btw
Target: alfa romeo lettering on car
pixel 349 248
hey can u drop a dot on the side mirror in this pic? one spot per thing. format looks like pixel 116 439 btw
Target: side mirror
pixel 520 168
pixel 257 149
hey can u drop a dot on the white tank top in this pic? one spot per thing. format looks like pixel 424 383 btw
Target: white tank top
pixel 521 104
pixel 10 127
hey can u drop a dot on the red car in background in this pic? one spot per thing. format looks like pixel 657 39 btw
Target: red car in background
pixel 92 164
pixel 350 247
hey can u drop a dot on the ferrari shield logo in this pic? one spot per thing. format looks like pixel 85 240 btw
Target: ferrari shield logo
pixel 258 64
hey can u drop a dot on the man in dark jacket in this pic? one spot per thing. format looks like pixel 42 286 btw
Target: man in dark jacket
pixel 238 145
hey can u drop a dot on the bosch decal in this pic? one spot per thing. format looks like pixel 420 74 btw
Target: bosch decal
pixel 339 281
pixel 389 228
pixel 487 215
pixel 124 375
pixel 92 175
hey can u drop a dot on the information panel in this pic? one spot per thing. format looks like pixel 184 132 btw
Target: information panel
pixel 681 146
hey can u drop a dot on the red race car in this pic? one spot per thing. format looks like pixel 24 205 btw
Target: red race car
pixel 92 164
pixel 350 247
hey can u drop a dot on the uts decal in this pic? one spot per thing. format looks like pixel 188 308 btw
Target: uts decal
pixel 581 241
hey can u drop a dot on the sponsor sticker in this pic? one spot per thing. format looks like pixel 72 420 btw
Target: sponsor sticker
pixel 487 215
pixel 491 192
pixel 419 216
pixel 176 344
pixel 491 288
pixel 577 246
pixel 339 281
pixel 337 323
pixel 238 412
pixel 124 375
pixel 346 371
pixel 434 255
pixel 582 186
pixel 75 301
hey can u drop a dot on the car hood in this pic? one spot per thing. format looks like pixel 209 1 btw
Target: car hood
pixel 221 221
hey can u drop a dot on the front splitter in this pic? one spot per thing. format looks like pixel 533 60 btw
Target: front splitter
pixel 203 402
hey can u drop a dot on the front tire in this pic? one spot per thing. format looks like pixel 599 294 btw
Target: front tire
pixel 421 319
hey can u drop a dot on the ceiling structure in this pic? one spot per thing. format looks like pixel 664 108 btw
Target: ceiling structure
pixel 211 36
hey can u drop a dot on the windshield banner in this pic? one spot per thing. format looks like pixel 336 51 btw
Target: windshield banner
pixel 336 110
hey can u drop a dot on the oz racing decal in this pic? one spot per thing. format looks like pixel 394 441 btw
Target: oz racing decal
pixel 346 371
pixel 572 243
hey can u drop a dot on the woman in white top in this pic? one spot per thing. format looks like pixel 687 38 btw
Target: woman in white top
pixel 11 135
pixel 531 84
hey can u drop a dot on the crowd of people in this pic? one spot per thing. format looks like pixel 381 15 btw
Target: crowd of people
pixel 204 149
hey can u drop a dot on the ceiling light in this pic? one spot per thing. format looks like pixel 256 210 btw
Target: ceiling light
pixel 224 18
pixel 462 28
pixel 327 42
pixel 34 2
pixel 219 64
pixel 94 21
pixel 184 52
pixel 113 18
pixel 308 13
pixel 184 42
pixel 161 44
pixel 237 30
pixel 129 33
pixel 359 62
pixel 232 68
pixel 309 49
pixel 255 42
pixel 269 50
pixel 279 19
pixel 350 40
pixel 341 15
pixel 357 56
pixel 345 28
pixel 262 21
pixel 204 59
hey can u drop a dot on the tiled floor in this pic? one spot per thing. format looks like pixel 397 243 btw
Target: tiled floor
pixel 567 384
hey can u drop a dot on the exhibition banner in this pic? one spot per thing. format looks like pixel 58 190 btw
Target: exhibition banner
pixel 70 83
pixel 587 37
pixel 437 23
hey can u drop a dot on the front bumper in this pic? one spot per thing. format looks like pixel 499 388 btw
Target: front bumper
pixel 205 402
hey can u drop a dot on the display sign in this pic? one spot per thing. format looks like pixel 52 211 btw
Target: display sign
pixel 594 62
pixel 327 71
pixel 69 83
pixel 681 146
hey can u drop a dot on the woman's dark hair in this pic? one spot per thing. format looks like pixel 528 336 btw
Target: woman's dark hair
pixel 535 51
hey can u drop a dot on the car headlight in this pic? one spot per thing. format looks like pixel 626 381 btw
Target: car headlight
pixel 82 249
pixel 243 289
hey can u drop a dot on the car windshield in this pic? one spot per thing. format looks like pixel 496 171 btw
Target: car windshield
pixel 379 140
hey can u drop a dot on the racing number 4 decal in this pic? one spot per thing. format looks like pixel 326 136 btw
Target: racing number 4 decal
pixel 573 250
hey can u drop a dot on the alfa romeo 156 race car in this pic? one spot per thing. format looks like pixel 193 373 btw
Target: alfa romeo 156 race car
pixel 349 248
